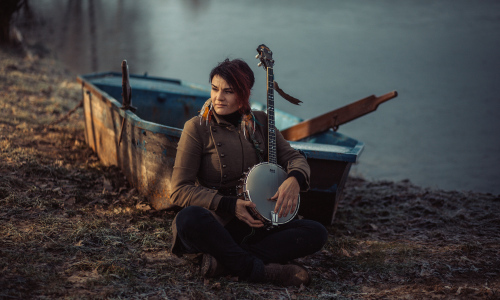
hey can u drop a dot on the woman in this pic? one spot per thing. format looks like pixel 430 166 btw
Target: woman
pixel 214 150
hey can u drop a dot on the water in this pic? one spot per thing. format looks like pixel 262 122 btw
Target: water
pixel 441 56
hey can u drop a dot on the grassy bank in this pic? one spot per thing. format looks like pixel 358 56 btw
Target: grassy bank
pixel 73 228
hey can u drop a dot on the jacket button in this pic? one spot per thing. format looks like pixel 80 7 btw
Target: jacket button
pixel 224 166
pixel 222 155
pixel 219 144
pixel 214 129
pixel 225 176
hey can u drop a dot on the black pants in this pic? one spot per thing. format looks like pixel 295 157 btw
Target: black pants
pixel 243 250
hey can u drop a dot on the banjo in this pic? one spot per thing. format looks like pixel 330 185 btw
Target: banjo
pixel 263 180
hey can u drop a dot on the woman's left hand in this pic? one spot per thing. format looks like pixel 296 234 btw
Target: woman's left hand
pixel 287 197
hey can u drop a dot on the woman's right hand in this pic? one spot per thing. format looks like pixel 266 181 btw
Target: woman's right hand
pixel 242 213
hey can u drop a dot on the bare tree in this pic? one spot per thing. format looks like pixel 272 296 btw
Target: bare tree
pixel 7 9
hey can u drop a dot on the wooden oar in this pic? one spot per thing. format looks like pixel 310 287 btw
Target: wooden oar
pixel 336 117
pixel 126 96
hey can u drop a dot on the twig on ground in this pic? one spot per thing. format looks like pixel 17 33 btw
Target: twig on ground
pixel 66 116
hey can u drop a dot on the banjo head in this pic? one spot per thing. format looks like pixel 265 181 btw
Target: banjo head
pixel 261 183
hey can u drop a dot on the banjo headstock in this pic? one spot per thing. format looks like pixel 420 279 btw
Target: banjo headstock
pixel 266 56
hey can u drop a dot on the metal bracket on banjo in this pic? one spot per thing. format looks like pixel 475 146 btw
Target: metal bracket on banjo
pixel 274 218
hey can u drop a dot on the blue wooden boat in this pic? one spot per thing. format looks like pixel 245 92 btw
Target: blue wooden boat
pixel 146 151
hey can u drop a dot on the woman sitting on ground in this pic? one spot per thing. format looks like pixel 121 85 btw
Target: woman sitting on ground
pixel 214 150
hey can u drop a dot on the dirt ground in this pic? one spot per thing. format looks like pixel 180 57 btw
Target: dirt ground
pixel 71 228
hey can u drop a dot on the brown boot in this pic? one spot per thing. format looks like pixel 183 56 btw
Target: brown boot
pixel 286 275
pixel 211 268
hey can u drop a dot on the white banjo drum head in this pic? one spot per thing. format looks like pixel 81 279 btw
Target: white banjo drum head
pixel 261 183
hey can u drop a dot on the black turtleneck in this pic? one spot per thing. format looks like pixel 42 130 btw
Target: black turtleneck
pixel 234 118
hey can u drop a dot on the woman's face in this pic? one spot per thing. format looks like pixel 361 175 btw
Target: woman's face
pixel 223 97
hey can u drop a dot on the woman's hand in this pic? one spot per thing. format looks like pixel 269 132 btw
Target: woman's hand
pixel 287 197
pixel 242 213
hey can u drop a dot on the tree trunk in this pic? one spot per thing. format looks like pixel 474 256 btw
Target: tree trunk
pixel 7 9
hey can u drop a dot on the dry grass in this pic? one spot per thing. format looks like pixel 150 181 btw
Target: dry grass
pixel 71 228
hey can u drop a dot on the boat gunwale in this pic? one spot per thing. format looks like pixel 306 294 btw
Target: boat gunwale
pixel 320 151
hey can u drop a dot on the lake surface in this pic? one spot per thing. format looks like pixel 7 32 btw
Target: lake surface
pixel 442 57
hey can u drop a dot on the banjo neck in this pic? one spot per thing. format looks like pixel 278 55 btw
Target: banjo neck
pixel 266 60
pixel 271 140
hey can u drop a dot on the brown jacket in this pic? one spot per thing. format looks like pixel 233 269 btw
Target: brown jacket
pixel 215 155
